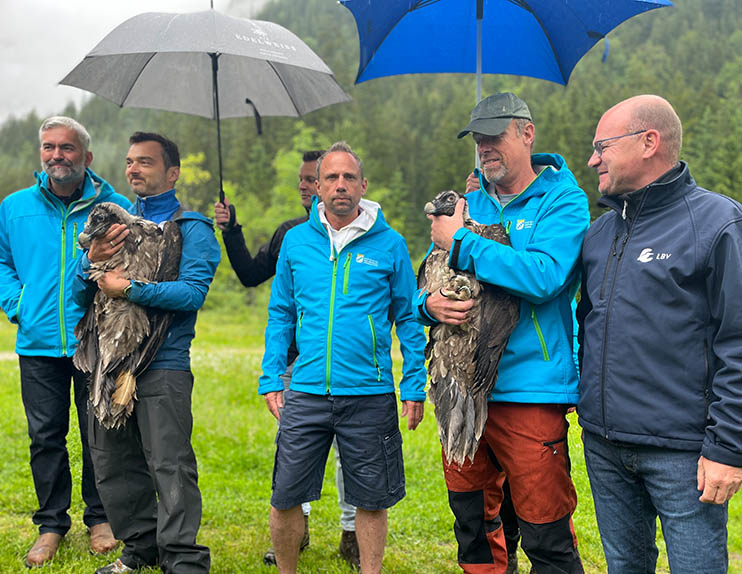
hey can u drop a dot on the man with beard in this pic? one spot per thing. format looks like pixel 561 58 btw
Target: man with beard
pixel 539 202
pixel 252 271
pixel 38 257
pixel 146 471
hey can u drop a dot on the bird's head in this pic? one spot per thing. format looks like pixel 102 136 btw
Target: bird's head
pixel 100 219
pixel 445 204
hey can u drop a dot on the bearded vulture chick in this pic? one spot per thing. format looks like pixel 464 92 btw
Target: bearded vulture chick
pixel 117 338
pixel 463 359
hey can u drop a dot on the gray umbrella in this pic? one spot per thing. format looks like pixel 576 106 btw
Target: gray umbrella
pixel 210 65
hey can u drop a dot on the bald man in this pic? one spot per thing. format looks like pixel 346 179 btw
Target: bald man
pixel 661 344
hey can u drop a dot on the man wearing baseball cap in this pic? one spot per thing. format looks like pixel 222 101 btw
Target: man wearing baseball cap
pixel 546 214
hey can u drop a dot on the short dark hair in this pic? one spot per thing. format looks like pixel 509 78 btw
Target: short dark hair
pixel 312 155
pixel 170 154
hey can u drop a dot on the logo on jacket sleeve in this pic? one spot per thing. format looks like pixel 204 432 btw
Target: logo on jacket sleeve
pixel 648 255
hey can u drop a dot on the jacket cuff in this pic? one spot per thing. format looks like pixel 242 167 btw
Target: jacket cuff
pixel 455 254
pixel 421 313
pixel 720 454
pixel 418 396
pixel 268 384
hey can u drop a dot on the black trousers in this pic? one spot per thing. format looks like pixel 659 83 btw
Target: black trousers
pixel 147 477
pixel 45 389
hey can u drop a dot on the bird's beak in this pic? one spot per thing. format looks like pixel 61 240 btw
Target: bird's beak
pixel 429 208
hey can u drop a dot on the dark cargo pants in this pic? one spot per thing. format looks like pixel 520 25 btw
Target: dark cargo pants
pixel 151 458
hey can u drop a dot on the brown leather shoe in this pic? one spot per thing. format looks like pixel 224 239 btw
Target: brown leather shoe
pixel 44 550
pixel 102 539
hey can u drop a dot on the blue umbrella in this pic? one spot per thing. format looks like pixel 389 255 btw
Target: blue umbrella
pixel 537 38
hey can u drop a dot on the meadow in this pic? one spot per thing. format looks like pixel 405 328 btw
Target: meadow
pixel 233 438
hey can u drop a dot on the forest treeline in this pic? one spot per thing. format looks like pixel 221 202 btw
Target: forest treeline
pixel 405 127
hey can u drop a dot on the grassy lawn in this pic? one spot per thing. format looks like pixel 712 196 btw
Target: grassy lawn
pixel 233 438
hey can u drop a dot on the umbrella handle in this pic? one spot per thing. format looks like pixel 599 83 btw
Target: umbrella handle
pixel 232 217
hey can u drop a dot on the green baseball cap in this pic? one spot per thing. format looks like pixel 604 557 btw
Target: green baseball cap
pixel 493 114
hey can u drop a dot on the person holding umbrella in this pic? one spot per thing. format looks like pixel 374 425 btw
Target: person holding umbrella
pixel 253 271
pixel 538 200
pixel 146 470
pixel 38 257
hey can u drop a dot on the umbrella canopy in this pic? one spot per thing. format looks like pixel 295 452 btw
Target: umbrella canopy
pixel 165 61
pixel 537 38
pixel 207 64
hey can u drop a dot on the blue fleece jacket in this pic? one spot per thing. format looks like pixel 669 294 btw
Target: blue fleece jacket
pixel 546 224
pixel 38 261
pixel 341 309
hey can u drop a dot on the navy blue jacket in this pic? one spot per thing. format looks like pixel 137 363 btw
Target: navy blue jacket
pixel 661 320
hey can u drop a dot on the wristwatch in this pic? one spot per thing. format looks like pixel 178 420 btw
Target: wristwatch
pixel 127 289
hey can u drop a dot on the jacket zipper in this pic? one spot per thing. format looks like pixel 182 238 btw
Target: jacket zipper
pixel 298 328
pixel 619 256
pixel 346 274
pixel 540 334
pixel 373 345
pixel 62 275
pixel 609 261
pixel 328 350
pixel 18 307
pixel 74 243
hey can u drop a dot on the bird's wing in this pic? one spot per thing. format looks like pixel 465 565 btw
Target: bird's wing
pixel 499 312
pixel 86 332
pixel 159 320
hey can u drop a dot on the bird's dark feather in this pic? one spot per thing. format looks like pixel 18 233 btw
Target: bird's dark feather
pixel 463 360
pixel 118 338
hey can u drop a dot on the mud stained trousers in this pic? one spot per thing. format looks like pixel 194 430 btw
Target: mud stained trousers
pixel 528 444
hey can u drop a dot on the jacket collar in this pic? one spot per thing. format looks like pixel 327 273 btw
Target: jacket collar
pixel 158 208
pixel 666 189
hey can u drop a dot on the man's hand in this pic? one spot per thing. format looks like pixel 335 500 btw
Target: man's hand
pixel 221 215
pixel 719 482
pixel 443 227
pixel 449 311
pixel 103 248
pixel 414 411
pixel 274 401
pixel 472 183
pixel 113 283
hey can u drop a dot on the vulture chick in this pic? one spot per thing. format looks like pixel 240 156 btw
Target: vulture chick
pixel 463 359
pixel 117 338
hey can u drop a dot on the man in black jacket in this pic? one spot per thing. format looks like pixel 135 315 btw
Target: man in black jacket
pixel 253 271
pixel 660 339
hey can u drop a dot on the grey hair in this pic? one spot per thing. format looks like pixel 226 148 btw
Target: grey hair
pixel 340 146
pixel 64 122
pixel 520 126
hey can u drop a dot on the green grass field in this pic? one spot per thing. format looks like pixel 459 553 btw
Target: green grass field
pixel 233 437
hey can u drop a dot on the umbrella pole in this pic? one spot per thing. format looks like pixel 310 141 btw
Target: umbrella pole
pixel 480 16
pixel 215 92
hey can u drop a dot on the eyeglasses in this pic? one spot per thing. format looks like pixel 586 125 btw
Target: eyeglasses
pixel 599 145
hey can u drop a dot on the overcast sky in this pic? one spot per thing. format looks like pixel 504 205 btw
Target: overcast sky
pixel 42 40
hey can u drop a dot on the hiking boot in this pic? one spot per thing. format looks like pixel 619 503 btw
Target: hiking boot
pixel 117 567
pixel 269 558
pixel 349 549
pixel 512 564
